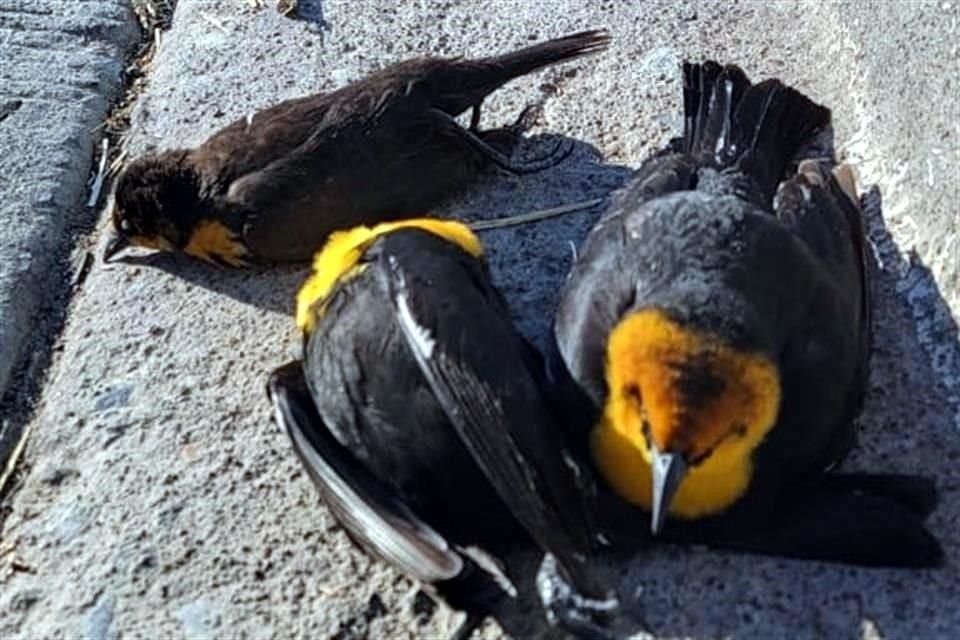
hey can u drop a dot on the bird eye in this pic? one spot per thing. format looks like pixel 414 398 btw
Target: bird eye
pixel 632 392
pixel 125 225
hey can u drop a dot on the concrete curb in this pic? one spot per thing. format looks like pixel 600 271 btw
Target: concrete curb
pixel 68 64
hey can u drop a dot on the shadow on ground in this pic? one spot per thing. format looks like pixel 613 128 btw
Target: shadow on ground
pixel 271 289
pixel 530 262
pixel 310 11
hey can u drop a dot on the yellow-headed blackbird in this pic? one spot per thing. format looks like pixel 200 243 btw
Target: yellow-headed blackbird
pixel 718 322
pixel 423 417
pixel 273 186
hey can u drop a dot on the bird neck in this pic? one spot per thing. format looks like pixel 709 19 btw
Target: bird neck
pixel 185 205
pixel 340 259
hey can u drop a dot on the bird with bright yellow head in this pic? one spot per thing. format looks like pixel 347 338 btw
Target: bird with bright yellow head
pixel 717 320
pixel 425 422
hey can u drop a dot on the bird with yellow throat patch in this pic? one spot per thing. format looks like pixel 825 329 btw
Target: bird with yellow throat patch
pixel 424 419
pixel 271 187
pixel 717 322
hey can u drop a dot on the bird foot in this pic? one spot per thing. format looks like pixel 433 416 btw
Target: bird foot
pixel 560 152
pixel 810 170
pixel 528 118
pixel 583 617
pixel 497 158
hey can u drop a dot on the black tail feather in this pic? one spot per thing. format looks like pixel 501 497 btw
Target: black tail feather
pixel 711 96
pixel 757 128
pixel 917 494
pixel 874 520
pixel 461 84
pixel 523 61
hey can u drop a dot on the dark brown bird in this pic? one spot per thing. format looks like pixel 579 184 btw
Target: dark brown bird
pixel 273 186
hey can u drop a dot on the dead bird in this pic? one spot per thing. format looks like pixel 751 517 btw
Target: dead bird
pixel 426 423
pixel 271 187
pixel 717 324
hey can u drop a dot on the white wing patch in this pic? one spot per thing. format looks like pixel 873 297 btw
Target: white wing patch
pixel 279 419
pixel 727 117
pixel 419 335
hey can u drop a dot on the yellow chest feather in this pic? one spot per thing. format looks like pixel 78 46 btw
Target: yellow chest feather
pixel 707 489
pixel 212 240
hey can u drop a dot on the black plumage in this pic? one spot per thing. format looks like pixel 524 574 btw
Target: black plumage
pixel 717 323
pixel 424 418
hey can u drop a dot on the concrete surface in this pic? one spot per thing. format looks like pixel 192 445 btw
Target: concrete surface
pixel 60 67
pixel 157 499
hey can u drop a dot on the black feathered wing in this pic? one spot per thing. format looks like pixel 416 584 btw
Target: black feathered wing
pixel 829 222
pixel 373 518
pixel 289 206
pixel 491 392
pixel 363 172
pixel 873 520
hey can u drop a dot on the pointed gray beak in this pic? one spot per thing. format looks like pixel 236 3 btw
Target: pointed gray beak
pixel 115 245
pixel 668 472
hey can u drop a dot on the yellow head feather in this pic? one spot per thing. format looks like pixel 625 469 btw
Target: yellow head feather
pixel 697 396
pixel 339 257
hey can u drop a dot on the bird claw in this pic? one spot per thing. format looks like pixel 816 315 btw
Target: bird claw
pixel 810 170
pixel 585 618
pixel 445 121
pixel 528 118
pixel 582 623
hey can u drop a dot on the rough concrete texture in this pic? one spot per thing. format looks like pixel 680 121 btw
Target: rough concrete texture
pixel 60 65
pixel 156 497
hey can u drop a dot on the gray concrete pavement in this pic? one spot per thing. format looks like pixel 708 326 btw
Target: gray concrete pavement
pixel 157 499
pixel 60 67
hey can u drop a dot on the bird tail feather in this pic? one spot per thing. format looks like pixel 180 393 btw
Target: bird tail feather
pixel 523 61
pixel 759 128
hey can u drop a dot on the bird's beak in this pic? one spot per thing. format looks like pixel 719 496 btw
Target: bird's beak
pixel 668 471
pixel 115 245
